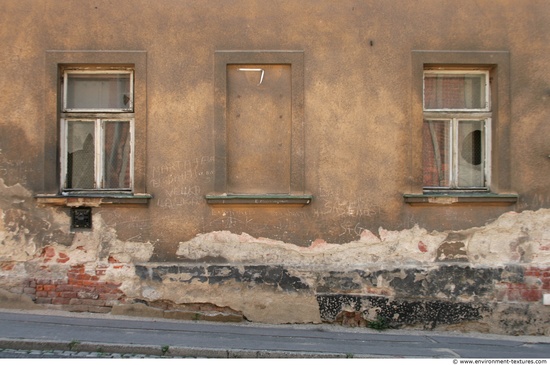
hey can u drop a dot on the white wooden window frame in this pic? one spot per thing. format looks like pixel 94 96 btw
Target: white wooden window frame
pixel 99 117
pixel 461 114
pixel 99 147
pixel 68 72
pixel 487 99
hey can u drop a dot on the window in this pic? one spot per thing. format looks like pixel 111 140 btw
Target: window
pixel 97 130
pixel 460 129
pixel 456 131
pixel 96 104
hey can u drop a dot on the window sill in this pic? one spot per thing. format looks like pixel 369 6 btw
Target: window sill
pixel 92 199
pixel 266 199
pixel 460 198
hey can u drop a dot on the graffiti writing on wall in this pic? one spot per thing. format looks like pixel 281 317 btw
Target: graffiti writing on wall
pixel 178 181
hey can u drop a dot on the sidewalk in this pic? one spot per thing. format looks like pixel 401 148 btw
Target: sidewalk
pixel 92 334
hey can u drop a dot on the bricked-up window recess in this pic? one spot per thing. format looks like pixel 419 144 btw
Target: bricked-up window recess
pixel 456 137
pixel 97 130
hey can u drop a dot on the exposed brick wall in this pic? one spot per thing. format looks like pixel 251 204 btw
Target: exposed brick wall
pixel 402 297
pixel 81 290
pixel 535 283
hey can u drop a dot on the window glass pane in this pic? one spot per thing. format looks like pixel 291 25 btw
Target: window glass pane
pixel 436 156
pixel 98 91
pixel 80 155
pixel 454 91
pixel 471 153
pixel 117 163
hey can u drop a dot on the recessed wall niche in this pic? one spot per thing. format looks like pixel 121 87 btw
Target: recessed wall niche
pixel 258 125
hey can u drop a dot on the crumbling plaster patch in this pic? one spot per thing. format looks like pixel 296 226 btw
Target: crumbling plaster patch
pixel 34 243
pixel 262 277
pixel 257 303
pixel 512 238
pixel 15 243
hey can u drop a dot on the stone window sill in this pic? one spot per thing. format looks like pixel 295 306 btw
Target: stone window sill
pixel 92 199
pixel 460 198
pixel 265 199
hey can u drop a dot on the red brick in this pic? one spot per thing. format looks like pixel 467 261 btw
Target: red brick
pixel 68 294
pixel 7 266
pixel 531 295
pixel 108 288
pixel 64 287
pixel 83 288
pixel 49 288
pixel 112 260
pixel 62 260
pixel 83 277
pixel 39 287
pixel 422 247
pixel 77 268
pixel 532 271
pixel 42 294
pixel 48 252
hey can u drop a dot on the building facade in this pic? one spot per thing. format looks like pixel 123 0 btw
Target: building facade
pixel 359 162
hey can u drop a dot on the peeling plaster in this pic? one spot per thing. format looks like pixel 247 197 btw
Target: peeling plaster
pixel 273 281
pixel 513 237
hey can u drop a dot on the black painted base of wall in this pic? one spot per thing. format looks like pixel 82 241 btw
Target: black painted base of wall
pixel 394 313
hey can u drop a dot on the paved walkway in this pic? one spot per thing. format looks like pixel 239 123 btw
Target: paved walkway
pixel 102 335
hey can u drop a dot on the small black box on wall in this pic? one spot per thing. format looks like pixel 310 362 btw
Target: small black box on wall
pixel 81 217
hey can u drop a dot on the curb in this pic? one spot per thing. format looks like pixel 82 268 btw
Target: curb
pixel 176 351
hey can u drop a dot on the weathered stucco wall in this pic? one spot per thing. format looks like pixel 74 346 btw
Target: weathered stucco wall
pixel 489 278
pixel 358 250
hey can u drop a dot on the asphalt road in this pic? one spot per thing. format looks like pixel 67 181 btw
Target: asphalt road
pixel 103 333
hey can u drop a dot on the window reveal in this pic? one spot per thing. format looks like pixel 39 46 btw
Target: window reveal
pixel 97 128
pixel 456 130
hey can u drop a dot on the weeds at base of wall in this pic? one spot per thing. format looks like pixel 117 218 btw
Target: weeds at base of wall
pixel 380 323
pixel 73 345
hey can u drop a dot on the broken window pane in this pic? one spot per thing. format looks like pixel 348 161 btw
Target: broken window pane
pixel 471 149
pixel 117 155
pixel 80 155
